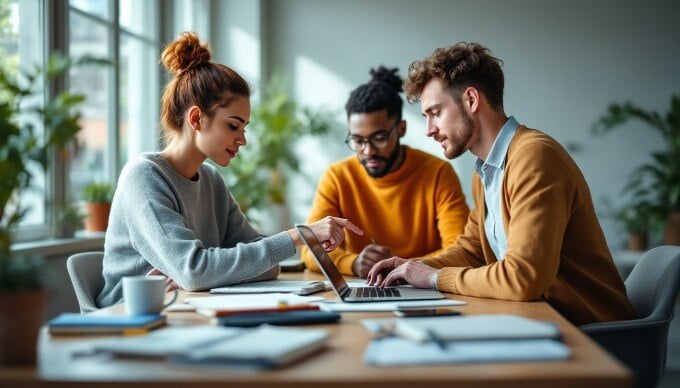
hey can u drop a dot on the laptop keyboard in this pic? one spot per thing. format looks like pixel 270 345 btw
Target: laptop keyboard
pixel 377 292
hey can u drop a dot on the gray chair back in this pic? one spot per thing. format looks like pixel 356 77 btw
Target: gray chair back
pixel 641 343
pixel 85 270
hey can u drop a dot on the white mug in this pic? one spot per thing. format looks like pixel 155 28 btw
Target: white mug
pixel 144 294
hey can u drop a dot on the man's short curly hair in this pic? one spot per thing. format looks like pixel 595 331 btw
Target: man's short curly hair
pixel 459 66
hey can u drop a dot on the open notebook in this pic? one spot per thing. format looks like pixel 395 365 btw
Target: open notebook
pixel 262 347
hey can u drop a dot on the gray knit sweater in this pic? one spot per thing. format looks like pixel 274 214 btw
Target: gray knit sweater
pixel 192 231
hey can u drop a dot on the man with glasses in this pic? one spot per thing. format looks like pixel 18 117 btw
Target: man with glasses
pixel 408 203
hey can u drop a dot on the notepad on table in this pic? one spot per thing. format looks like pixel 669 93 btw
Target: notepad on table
pixel 472 338
pixel 224 305
pixel 396 351
pixel 341 307
pixel 475 327
pixel 75 323
pixel 298 287
pixel 262 347
pixel 165 342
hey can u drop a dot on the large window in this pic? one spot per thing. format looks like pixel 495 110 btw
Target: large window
pixel 120 114
pixel 22 47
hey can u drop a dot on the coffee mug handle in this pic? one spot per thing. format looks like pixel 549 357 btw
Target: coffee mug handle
pixel 174 298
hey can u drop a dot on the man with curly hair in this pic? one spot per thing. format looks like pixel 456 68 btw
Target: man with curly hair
pixel 533 233
pixel 409 203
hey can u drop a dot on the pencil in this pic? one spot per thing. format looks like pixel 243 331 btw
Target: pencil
pixel 434 338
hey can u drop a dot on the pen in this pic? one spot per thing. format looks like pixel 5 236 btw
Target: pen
pixel 434 338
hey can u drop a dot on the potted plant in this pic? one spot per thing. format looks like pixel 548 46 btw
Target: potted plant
pixel 637 218
pixel 98 198
pixel 658 181
pixel 22 148
pixel 258 177
pixel 69 219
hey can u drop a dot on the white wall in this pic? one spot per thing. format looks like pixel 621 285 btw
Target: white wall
pixel 564 62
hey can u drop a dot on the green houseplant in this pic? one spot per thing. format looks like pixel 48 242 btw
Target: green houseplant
pixel 98 198
pixel 637 219
pixel 258 177
pixel 23 148
pixel 69 219
pixel 657 182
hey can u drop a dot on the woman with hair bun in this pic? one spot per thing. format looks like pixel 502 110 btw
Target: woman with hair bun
pixel 172 213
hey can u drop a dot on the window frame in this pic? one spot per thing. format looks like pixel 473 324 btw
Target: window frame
pixel 53 18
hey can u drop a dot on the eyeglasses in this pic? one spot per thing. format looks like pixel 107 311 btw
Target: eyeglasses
pixel 378 140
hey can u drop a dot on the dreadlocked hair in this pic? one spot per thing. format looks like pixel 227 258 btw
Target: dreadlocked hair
pixel 381 92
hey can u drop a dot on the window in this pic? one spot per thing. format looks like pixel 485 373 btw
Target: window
pixel 120 113
pixel 21 47
pixel 121 108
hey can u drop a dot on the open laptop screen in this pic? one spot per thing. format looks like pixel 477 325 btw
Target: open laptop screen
pixel 323 260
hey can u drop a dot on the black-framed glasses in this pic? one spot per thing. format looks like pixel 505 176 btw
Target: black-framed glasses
pixel 378 140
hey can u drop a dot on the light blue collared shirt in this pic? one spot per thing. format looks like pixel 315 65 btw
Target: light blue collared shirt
pixel 491 171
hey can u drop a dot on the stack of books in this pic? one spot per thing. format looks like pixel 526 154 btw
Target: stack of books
pixel 250 310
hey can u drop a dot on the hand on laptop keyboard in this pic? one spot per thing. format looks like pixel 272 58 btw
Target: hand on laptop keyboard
pixel 388 272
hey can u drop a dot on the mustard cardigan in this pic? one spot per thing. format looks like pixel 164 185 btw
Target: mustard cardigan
pixel 556 249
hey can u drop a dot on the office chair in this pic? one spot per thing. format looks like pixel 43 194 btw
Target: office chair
pixel 85 270
pixel 641 343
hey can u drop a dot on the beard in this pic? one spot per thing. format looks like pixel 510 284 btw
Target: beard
pixel 389 162
pixel 460 144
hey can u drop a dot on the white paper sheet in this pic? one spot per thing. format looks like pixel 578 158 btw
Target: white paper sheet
pixel 386 306
pixel 250 301
pixel 400 351
pixel 298 287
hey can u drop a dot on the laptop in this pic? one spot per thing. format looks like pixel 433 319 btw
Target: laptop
pixel 359 294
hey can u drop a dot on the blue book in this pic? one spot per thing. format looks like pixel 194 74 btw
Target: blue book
pixel 74 323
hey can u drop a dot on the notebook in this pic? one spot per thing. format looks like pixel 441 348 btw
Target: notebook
pixel 297 287
pixel 262 347
pixel 397 351
pixel 476 327
pixel 359 294
pixel 75 323
pixel 462 339
pixel 251 303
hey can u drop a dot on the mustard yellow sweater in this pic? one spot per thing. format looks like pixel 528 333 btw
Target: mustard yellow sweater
pixel 556 249
pixel 414 211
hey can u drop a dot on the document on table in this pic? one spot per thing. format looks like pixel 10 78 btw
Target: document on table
pixel 251 301
pixel 298 287
pixel 476 327
pixel 474 338
pixel 386 306
pixel 165 342
pixel 399 351
pixel 265 346
pixel 262 347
